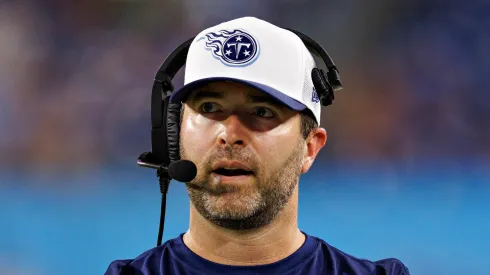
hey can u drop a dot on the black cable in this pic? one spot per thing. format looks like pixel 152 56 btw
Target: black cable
pixel 164 181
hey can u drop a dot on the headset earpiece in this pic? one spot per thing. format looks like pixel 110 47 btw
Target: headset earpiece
pixel 159 144
pixel 173 130
pixel 160 97
pixel 322 86
pixel 164 117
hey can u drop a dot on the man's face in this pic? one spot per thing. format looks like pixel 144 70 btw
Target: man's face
pixel 248 151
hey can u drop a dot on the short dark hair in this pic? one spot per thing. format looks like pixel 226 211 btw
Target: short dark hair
pixel 308 122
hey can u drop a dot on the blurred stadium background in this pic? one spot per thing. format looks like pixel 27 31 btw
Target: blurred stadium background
pixel 405 173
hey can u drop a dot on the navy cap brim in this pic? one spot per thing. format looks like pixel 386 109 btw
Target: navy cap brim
pixel 180 94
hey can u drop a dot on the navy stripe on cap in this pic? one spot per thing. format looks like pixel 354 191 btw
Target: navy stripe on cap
pixel 178 95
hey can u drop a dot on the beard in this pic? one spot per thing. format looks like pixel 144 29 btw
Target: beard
pixel 244 206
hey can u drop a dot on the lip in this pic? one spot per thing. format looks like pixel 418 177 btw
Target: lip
pixel 229 164
pixel 232 179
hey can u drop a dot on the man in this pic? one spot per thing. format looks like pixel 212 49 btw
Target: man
pixel 250 124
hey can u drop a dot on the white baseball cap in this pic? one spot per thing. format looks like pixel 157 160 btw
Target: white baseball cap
pixel 258 54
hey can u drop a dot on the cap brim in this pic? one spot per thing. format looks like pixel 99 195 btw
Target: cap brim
pixel 180 94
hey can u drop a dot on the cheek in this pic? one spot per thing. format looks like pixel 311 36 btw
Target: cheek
pixel 274 147
pixel 196 135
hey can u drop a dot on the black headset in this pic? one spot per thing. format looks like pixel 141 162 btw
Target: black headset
pixel 165 116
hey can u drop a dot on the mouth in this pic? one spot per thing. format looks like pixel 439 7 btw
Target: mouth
pixel 232 172
pixel 227 172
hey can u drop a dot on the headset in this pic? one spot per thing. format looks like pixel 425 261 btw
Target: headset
pixel 165 116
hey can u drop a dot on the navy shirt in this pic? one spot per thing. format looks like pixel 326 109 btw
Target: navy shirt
pixel 314 257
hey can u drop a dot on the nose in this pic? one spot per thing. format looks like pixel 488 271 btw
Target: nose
pixel 234 132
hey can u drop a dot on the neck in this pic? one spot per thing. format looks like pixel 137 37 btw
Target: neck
pixel 264 245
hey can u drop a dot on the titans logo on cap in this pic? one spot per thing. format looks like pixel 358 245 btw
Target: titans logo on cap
pixel 232 48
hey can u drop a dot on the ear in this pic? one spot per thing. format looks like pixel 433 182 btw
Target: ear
pixel 314 142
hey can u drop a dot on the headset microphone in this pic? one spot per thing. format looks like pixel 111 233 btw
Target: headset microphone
pixel 180 170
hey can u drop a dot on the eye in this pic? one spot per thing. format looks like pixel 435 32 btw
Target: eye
pixel 264 112
pixel 209 107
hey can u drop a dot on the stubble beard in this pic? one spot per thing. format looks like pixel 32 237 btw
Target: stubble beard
pixel 244 207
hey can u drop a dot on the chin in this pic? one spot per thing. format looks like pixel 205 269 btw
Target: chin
pixel 232 205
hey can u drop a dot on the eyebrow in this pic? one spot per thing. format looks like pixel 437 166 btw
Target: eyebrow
pixel 250 98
